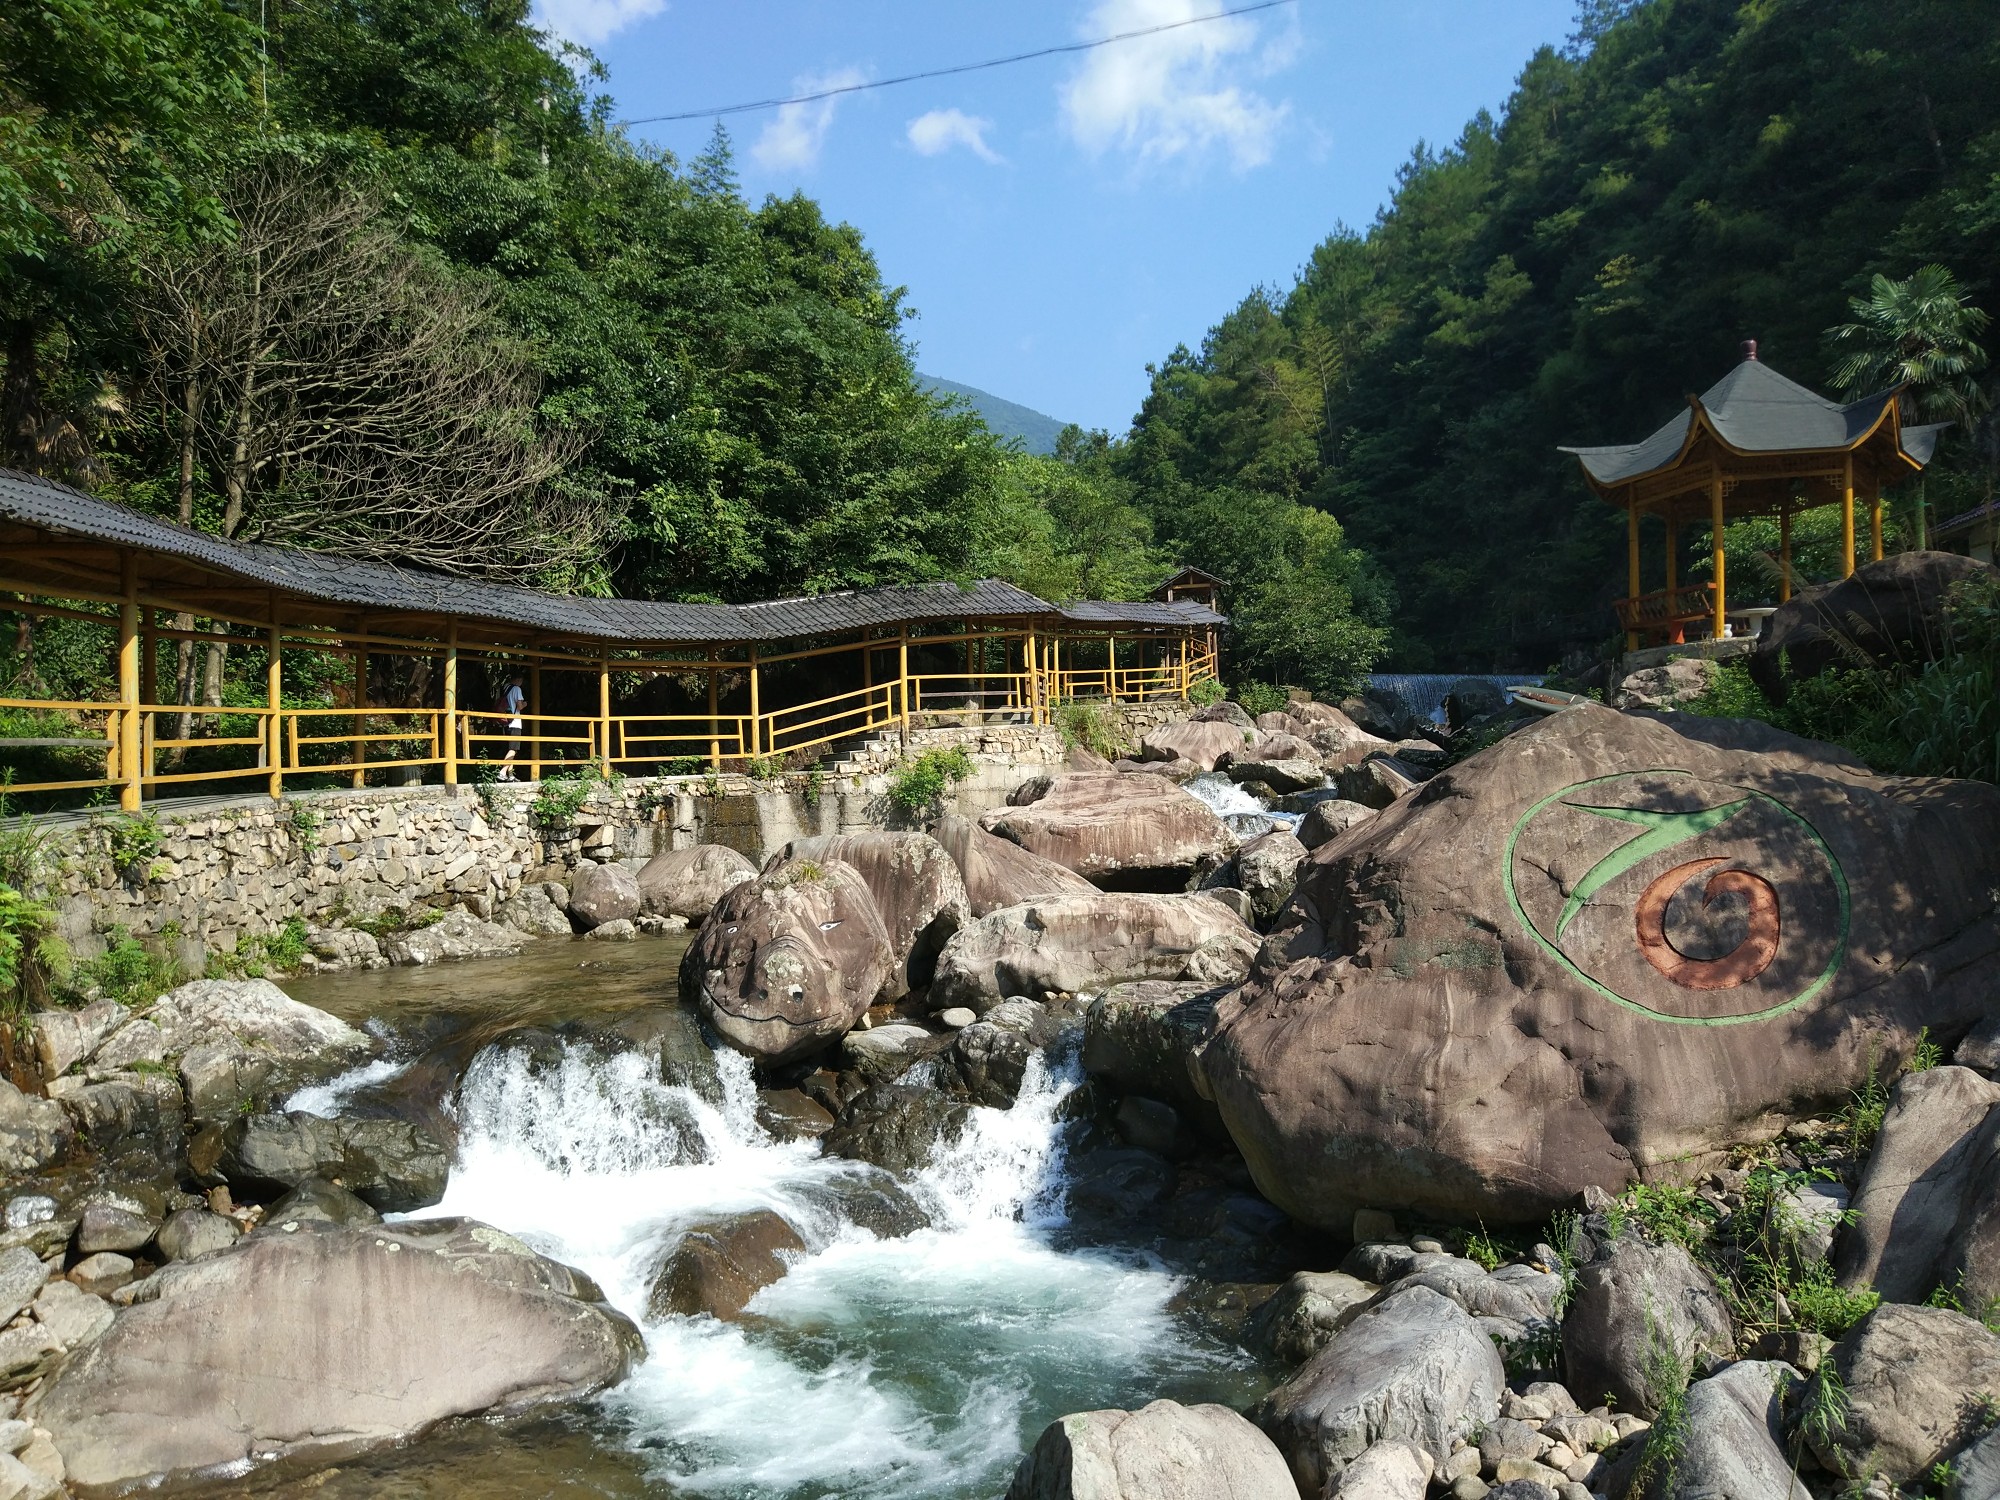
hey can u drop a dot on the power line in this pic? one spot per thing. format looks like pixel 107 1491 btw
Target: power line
pixel 996 62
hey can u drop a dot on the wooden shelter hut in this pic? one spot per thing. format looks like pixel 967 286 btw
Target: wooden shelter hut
pixel 1752 444
pixel 629 685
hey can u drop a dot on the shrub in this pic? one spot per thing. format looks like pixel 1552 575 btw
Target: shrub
pixel 921 783
pixel 562 797
pixel 135 843
pixel 1206 691
pixel 1260 698
pixel 1091 726
pixel 30 952
pixel 127 972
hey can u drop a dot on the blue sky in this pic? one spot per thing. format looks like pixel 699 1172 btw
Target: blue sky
pixel 1063 222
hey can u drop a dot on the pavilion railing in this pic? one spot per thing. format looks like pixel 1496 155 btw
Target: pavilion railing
pixel 1667 608
pixel 135 749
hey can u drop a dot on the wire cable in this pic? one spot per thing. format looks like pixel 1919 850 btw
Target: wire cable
pixel 995 62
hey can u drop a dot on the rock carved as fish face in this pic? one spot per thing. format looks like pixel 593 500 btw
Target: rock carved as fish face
pixel 791 960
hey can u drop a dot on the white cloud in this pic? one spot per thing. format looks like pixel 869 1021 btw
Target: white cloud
pixel 1176 93
pixel 792 140
pixel 935 133
pixel 591 22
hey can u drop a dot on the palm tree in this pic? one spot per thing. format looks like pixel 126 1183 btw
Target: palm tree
pixel 1919 334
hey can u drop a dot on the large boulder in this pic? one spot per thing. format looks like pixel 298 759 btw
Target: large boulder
pixel 389 1164
pixel 1910 1384
pixel 998 873
pixel 1413 1369
pixel 1085 943
pixel 319 1342
pixel 1892 611
pixel 1734 1444
pixel 789 961
pixel 1642 1317
pixel 1282 776
pixel 603 893
pixel 1142 1038
pixel 457 935
pixel 1917 1183
pixel 1104 826
pixel 1606 944
pixel 1164 1451
pixel 1328 820
pixel 1203 744
pixel 688 882
pixel 917 889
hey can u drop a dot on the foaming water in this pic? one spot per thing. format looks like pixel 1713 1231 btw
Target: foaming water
pixel 1246 815
pixel 920 1366
pixel 332 1097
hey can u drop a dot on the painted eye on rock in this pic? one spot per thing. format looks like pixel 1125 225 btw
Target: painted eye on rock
pixel 828 926
pixel 728 931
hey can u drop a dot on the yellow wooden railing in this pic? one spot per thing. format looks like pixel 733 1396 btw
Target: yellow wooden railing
pixel 136 748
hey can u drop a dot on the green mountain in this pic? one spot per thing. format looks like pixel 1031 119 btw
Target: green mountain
pixel 1009 419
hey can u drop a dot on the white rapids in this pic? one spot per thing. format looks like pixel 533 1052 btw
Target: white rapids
pixel 921 1366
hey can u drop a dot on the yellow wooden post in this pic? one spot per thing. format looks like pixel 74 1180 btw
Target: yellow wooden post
pixel 128 771
pixel 1631 561
pixel 1875 528
pixel 275 696
pixel 1031 665
pixel 448 751
pixel 714 722
pixel 535 720
pixel 1847 519
pixel 1111 667
pixel 756 707
pixel 903 680
pixel 604 710
pixel 1784 554
pixel 360 746
pixel 1716 553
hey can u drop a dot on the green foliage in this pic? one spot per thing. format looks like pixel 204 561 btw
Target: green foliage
pixel 919 785
pixel 392 921
pixel 683 765
pixel 1067 530
pixel 127 971
pixel 1667 1374
pixel 1927 1055
pixel 1206 691
pixel 135 843
pixel 562 796
pixel 1091 726
pixel 1670 1213
pixel 1256 698
pixel 815 787
pixel 30 952
pixel 764 768
pixel 1489 1252
pixel 1920 333
pixel 306 822
pixel 255 956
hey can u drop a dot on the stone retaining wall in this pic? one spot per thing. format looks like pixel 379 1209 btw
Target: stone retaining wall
pixel 223 872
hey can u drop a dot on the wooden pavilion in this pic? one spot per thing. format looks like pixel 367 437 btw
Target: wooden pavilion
pixel 630 685
pixel 1752 444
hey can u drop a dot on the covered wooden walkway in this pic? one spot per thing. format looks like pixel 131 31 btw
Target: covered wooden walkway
pixel 633 686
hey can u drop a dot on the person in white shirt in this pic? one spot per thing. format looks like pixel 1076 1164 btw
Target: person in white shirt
pixel 512 700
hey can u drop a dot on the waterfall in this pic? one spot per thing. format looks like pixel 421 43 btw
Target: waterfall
pixel 917 1367
pixel 1424 692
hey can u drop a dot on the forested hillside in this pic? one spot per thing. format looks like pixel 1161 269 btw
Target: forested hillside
pixel 1688 174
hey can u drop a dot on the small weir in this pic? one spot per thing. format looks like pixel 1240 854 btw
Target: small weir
pixel 1425 692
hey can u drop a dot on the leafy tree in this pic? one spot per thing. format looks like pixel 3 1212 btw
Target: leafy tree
pixel 1920 333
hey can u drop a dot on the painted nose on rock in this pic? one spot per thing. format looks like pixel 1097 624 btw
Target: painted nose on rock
pixel 784 972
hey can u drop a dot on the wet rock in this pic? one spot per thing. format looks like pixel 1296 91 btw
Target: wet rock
pixel 1911 1378
pixel 917 889
pixel 1200 744
pixel 1414 1368
pixel 990 1062
pixel 789 961
pixel 687 1055
pixel 999 873
pixel 72 1315
pixel 21 1276
pixel 33 1132
pixel 789 1115
pixel 227 1360
pixel 1281 776
pixel 720 1264
pixel 883 1052
pixel 1141 1039
pixel 1471 698
pixel 102 1273
pixel 1118 1183
pixel 1069 944
pixel 1428 1029
pixel 617 930
pixel 895 1126
pixel 1164 1451
pixel 539 909
pixel 603 893
pixel 317 1201
pixel 189 1232
pixel 1103 826
pixel 1306 1313
pixel 1267 869
pixel 389 1164
pixel 871 1199
pixel 1633 1300
pixel 688 882
pixel 1328 820
pixel 1917 1182
pixel 457 935
pixel 1153 1126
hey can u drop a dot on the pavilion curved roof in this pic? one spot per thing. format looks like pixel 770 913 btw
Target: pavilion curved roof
pixel 1755 410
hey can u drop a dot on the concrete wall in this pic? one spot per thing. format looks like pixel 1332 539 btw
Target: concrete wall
pixel 242 867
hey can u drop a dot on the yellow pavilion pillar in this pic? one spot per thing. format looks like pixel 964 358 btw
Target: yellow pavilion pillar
pixel 1720 622
pixel 128 771
pixel 1784 554
pixel 449 748
pixel 1847 519
pixel 1875 527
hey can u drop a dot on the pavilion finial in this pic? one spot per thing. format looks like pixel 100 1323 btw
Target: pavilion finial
pixel 1749 348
